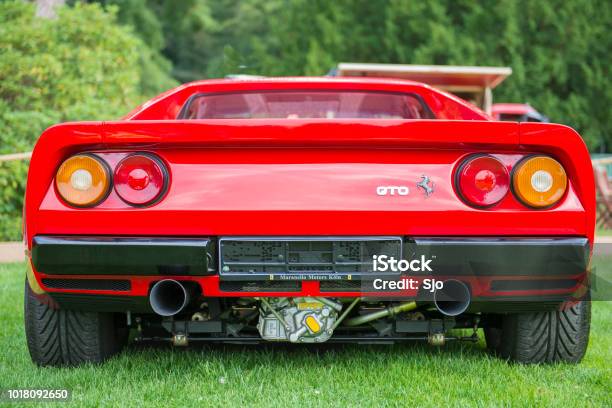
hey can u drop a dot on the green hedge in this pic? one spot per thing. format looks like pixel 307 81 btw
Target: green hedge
pixel 81 66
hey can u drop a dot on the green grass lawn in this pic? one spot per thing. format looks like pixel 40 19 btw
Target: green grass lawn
pixel 405 375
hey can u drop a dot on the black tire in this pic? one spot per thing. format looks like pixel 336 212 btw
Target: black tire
pixel 59 337
pixel 542 337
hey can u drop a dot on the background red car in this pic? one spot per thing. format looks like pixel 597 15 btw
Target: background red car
pixel 516 112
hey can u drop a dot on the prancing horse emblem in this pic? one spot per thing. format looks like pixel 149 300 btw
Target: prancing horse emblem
pixel 426 184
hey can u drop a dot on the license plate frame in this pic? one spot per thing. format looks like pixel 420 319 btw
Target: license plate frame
pixel 302 264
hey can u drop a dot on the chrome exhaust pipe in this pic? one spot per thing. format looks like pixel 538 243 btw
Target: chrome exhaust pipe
pixel 453 299
pixel 169 297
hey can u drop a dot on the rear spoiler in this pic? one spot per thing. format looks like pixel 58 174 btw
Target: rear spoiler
pixel 289 133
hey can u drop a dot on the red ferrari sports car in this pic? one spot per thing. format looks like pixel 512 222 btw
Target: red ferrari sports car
pixel 308 210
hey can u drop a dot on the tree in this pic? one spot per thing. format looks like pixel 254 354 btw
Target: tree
pixel 80 66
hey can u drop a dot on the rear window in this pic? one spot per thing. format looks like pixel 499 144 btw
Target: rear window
pixel 306 105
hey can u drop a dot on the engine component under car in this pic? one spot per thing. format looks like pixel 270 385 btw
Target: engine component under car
pixel 304 319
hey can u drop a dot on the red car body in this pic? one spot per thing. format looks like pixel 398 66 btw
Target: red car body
pixel 296 178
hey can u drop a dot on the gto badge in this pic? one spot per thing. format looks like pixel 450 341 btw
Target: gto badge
pixel 426 184
pixel 392 190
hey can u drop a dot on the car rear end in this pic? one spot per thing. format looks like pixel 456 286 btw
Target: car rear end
pixel 249 230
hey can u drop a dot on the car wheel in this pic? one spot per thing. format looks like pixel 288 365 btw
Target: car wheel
pixel 542 337
pixel 59 337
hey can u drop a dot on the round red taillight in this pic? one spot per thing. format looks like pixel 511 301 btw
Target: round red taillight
pixel 483 181
pixel 140 179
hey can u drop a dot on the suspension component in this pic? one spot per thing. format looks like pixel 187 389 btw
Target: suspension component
pixel 388 312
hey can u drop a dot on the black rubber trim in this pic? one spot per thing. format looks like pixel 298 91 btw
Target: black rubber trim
pixel 517 305
pixel 71 255
pixel 532 284
pixel 495 256
pixel 456 256
pixel 340 286
pixel 102 303
pixel 261 286
pixel 115 285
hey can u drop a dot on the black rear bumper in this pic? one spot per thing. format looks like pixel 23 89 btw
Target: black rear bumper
pixel 137 256
pixel 521 274
pixel 490 256
pixel 457 256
